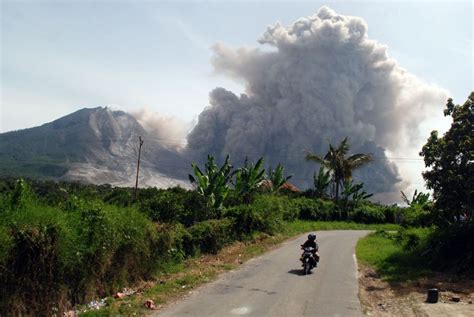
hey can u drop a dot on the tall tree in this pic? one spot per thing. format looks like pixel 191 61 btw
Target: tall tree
pixel 341 167
pixel 450 160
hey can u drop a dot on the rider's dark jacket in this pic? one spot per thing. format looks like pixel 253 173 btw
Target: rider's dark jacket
pixel 310 243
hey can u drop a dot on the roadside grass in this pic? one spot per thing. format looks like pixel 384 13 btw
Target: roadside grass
pixel 175 280
pixel 302 226
pixel 178 279
pixel 396 256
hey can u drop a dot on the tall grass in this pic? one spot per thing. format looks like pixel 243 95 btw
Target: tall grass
pixel 51 258
pixel 397 256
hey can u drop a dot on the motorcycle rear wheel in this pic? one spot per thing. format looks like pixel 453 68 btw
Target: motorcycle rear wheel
pixel 306 268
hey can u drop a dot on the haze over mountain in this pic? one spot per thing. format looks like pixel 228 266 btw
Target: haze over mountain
pixel 310 83
pixel 91 145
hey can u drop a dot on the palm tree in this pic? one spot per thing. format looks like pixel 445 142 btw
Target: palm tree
pixel 341 167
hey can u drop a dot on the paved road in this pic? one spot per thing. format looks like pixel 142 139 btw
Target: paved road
pixel 273 284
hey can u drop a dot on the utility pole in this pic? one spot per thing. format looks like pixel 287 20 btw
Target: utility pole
pixel 138 166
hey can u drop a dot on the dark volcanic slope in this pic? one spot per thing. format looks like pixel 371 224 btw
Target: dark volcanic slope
pixel 93 145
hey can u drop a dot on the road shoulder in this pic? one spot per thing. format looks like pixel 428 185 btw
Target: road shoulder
pixel 380 298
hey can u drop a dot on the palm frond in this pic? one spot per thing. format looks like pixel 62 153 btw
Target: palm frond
pixel 357 160
pixel 316 158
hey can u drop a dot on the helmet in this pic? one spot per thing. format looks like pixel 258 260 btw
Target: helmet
pixel 312 236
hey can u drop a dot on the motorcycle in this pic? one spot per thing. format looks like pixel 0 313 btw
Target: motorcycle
pixel 309 259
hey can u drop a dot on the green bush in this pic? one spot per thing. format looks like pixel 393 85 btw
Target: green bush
pixel 265 214
pixel 116 248
pixel 6 243
pixel 51 258
pixel 33 270
pixel 246 220
pixel 413 238
pixel 368 214
pixel 291 211
pixel 164 207
pixel 452 248
pixel 119 197
pixel 315 209
pixel 271 210
pixel 174 243
pixel 176 205
pixel 211 235
pixel 392 213
pixel 415 215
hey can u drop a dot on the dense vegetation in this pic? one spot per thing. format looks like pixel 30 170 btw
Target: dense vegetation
pixel 444 240
pixel 67 243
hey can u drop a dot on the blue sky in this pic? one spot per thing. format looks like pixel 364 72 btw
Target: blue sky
pixel 58 56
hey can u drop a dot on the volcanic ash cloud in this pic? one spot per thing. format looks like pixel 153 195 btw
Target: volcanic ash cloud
pixel 171 131
pixel 321 80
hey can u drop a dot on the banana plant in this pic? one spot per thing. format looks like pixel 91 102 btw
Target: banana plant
pixel 419 198
pixel 322 181
pixel 248 179
pixel 213 183
pixel 277 177
pixel 353 192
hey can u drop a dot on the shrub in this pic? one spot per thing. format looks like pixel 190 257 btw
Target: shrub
pixel 32 274
pixel 116 248
pixel 291 211
pixel 315 209
pixel 246 220
pixel 452 248
pixel 368 214
pixel 264 215
pixel 211 235
pixel 119 196
pixel 392 213
pixel 6 243
pixel 176 205
pixel 413 238
pixel 50 258
pixel 415 215
pixel 174 243
pixel 195 209
pixel 272 211
pixel 164 207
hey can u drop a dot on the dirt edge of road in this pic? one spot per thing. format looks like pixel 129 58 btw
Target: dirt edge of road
pixel 168 288
pixel 380 298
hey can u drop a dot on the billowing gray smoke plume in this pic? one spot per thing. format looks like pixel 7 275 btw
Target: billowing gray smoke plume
pixel 323 80
pixel 170 131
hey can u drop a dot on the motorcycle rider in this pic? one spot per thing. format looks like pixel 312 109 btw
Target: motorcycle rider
pixel 311 242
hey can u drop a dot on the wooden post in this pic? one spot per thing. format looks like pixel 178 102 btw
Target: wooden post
pixel 138 167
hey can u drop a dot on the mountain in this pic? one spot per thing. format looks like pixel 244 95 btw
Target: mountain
pixel 95 145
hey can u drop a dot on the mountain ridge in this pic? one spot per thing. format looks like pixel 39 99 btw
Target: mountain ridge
pixel 93 145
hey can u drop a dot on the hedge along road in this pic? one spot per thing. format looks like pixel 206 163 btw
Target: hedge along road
pixel 273 284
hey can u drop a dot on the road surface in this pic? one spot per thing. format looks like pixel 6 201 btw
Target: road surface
pixel 273 284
